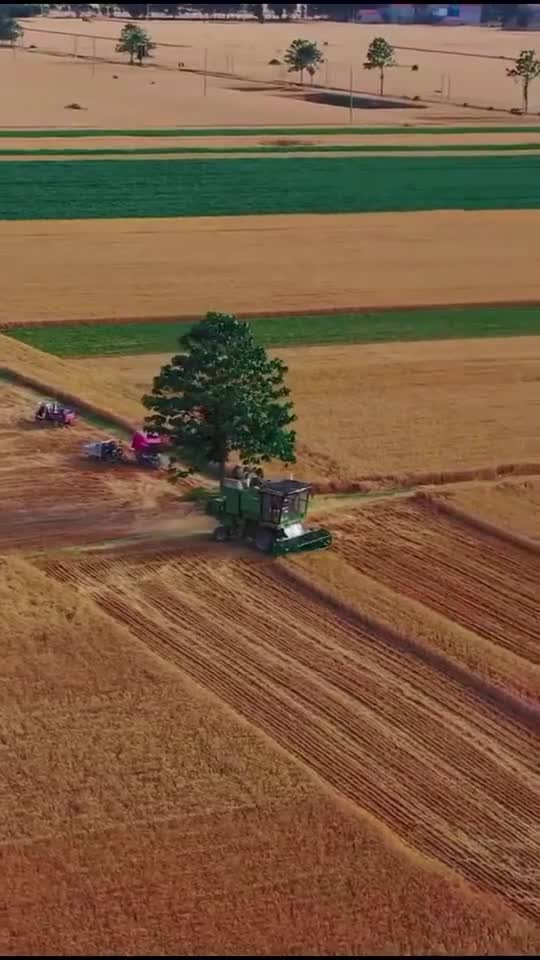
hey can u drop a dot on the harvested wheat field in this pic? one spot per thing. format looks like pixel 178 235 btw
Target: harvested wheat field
pixel 322 262
pixel 364 708
pixel 402 410
pixel 51 496
pixel 479 581
pixel 142 818
pixel 245 49
pixel 513 505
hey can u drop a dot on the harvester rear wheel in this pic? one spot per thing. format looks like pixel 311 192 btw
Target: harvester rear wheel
pixel 221 534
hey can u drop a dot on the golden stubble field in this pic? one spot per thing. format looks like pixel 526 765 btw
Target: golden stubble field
pixel 391 410
pixel 142 817
pixel 85 269
pixel 245 49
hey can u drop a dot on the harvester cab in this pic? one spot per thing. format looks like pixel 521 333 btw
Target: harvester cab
pixel 267 513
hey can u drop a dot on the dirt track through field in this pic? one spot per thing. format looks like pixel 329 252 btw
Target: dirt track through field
pixel 478 581
pixel 266 263
pixel 362 709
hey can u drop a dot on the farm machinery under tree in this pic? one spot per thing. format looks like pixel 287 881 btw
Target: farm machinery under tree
pixel 266 513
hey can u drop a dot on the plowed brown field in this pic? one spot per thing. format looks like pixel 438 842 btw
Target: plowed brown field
pixel 406 259
pixel 401 409
pixel 432 754
pixel 142 818
pixel 51 496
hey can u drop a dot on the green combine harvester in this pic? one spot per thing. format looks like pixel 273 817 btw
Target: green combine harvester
pixel 267 513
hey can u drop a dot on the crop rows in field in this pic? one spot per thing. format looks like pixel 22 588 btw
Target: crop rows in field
pixel 174 188
pixel 450 772
pixel 484 584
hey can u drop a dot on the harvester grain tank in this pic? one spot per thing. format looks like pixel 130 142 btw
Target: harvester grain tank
pixel 267 513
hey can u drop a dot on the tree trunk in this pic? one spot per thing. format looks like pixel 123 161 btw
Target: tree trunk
pixel 381 81
pixel 526 95
pixel 301 75
pixel 131 56
pixel 223 470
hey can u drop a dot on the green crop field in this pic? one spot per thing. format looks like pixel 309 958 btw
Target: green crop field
pixel 177 188
pixel 87 340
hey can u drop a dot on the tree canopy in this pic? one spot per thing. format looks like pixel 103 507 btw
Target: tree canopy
pixel 303 55
pixel 135 41
pixel 525 70
pixel 223 396
pixel 380 55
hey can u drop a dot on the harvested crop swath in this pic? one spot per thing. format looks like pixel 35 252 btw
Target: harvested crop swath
pixel 181 188
pixel 478 581
pixel 449 771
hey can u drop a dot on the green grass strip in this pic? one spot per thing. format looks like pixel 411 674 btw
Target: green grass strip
pixel 231 187
pixel 260 151
pixel 264 131
pixel 111 340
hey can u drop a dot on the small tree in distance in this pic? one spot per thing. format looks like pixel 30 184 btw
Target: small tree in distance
pixel 135 41
pixel 223 395
pixel 380 55
pixel 525 70
pixel 303 55
pixel 10 30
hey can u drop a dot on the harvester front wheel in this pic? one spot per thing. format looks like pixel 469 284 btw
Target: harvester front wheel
pixel 264 540
pixel 221 534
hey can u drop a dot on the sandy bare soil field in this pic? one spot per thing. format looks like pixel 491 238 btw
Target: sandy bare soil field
pixel 143 818
pixel 302 262
pixel 400 410
pixel 246 48
pixel 50 496
pixel 116 96
pixel 513 505
pixel 342 694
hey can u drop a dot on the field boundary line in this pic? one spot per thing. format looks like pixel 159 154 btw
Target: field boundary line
pixel 435 478
pixel 262 314
pixel 453 512
pixel 257 131
pixel 509 704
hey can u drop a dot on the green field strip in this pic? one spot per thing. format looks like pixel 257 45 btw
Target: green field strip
pixel 263 131
pixel 262 150
pixel 105 189
pixel 110 340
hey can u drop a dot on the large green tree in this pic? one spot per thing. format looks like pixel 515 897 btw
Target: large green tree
pixel 303 55
pixel 135 41
pixel 223 396
pixel 380 55
pixel 525 70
